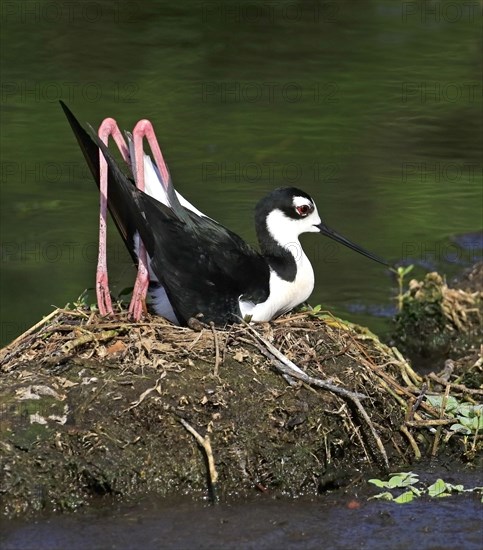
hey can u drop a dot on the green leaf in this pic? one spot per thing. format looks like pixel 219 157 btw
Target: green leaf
pixel 405 270
pixel 436 401
pixel 402 479
pixel 417 492
pixel 437 488
pixel 455 488
pixel 459 428
pixel 466 409
pixel 404 498
pixel 378 482
pixel 402 271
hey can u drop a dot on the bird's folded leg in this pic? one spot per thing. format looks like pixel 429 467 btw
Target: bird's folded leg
pixel 108 128
pixel 144 129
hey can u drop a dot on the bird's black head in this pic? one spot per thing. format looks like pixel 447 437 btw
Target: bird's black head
pixel 281 217
pixel 287 212
pixel 282 199
pixel 294 203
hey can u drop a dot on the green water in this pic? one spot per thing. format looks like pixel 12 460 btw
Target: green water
pixel 372 107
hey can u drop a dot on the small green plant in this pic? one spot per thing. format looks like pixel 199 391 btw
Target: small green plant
pixel 409 480
pixel 83 300
pixel 469 417
pixel 401 273
pixel 442 489
pixel 398 481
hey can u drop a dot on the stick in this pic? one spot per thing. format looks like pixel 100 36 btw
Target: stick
pixel 412 442
pixel 439 429
pixel 415 407
pixel 32 329
pixel 205 443
pixel 424 423
pixel 89 337
pixel 458 387
pixel 217 349
pixel 5 351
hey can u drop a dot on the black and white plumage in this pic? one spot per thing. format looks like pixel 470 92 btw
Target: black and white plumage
pixel 196 265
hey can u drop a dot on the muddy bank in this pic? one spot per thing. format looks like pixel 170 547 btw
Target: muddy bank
pixel 94 407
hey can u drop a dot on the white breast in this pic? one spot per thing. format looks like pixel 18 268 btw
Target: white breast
pixel 284 295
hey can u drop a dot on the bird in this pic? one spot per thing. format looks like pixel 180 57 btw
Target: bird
pixel 191 265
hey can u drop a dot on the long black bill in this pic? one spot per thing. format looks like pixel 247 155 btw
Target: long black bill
pixel 342 240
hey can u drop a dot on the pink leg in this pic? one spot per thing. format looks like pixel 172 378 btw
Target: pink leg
pixel 107 128
pixel 144 129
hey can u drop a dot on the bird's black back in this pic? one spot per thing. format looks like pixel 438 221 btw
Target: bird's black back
pixel 204 267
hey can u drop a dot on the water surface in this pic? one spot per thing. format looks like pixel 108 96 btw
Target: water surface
pixel 372 107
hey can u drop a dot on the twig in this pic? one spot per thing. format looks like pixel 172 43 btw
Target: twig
pixel 415 407
pixel 10 351
pixel 285 366
pixel 458 387
pixel 217 349
pixel 437 437
pixel 35 327
pixel 205 443
pixel 416 379
pixel 412 442
pixel 195 341
pixel 390 381
pixel 434 422
pixel 89 337
pixel 142 397
pixel 289 319
pixel 343 351
pixel 225 345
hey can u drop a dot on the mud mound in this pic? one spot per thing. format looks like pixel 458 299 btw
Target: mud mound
pixel 95 407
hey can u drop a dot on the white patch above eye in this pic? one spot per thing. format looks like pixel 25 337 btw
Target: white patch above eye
pixel 285 231
pixel 302 201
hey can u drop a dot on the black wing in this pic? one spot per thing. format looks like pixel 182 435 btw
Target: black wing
pixel 203 266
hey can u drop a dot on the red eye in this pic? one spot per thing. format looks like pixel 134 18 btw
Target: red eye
pixel 304 210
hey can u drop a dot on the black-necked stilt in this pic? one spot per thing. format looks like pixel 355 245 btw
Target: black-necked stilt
pixel 194 265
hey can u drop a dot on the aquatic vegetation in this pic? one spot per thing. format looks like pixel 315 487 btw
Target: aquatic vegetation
pixel 401 273
pixel 415 489
pixel 468 416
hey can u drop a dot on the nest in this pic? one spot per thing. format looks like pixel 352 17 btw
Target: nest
pixel 295 406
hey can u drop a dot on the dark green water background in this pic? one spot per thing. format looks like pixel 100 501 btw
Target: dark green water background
pixel 371 106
